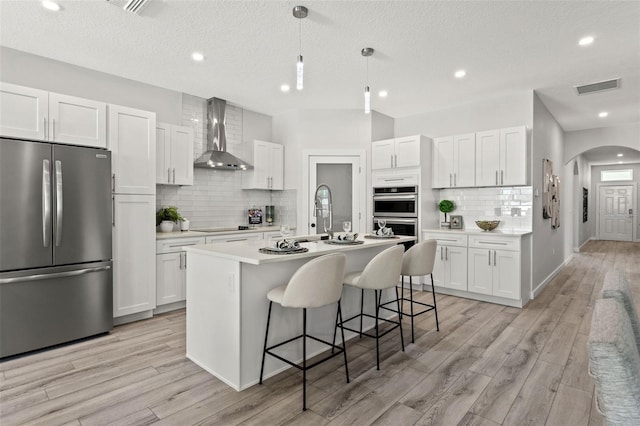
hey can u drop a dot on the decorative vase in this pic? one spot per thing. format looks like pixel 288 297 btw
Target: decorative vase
pixel 184 225
pixel 166 226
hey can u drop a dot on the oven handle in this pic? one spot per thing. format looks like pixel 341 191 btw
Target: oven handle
pixel 391 221
pixel 394 197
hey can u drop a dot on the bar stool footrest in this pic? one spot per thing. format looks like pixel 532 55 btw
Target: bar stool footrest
pixel 338 351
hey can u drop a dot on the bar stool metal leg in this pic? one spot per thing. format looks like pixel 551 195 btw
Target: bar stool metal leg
pixel 344 343
pixel 377 331
pixel 435 307
pixel 400 322
pixel 361 309
pixel 266 334
pixel 304 359
pixel 411 303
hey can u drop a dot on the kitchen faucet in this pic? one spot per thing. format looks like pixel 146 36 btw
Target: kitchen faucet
pixel 323 207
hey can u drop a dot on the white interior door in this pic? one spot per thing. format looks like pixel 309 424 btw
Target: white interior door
pixel 343 176
pixel 615 213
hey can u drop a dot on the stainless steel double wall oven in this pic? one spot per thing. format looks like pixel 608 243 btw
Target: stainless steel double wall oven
pixel 398 205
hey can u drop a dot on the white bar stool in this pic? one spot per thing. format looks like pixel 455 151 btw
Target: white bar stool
pixel 382 272
pixel 315 284
pixel 419 261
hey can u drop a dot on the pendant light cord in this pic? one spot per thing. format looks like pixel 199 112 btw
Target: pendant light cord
pixel 300 36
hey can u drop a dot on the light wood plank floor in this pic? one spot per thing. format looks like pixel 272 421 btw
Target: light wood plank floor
pixel 488 365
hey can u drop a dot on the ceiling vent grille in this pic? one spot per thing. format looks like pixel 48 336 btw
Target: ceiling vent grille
pixel 136 6
pixel 133 6
pixel 598 87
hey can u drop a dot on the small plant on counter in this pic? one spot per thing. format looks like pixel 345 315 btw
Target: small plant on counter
pixel 446 206
pixel 168 214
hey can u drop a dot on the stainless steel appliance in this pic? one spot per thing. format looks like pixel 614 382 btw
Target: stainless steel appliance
pixel 399 207
pixel 399 201
pixel 55 244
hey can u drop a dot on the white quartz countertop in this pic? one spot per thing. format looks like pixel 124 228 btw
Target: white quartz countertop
pixel 213 231
pixel 247 251
pixel 501 232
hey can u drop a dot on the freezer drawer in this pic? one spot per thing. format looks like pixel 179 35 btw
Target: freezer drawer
pixel 45 307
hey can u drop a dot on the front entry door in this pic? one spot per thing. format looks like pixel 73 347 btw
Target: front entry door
pixel 342 174
pixel 616 213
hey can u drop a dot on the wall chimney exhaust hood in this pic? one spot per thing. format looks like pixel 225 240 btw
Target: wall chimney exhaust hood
pixel 216 156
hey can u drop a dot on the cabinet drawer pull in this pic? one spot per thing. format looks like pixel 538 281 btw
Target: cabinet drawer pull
pixel 441 257
pixel 489 258
pixel 494 258
pixel 446 239
pixel 493 242
pixel 174 175
pixel 455 179
pixel 446 253
pixel 394 180
pixel 239 239
pixel 182 245
pixel 496 178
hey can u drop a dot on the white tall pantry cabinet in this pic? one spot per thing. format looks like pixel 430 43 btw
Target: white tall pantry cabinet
pixel 132 140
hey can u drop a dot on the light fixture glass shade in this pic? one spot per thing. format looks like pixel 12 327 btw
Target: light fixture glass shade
pixel 367 100
pixel 299 73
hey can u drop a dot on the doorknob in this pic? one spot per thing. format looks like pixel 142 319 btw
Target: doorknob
pixel 313 225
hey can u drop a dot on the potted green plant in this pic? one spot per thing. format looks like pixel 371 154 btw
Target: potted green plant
pixel 166 217
pixel 446 206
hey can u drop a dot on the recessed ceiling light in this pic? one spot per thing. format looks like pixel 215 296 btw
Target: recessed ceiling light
pixel 383 93
pixel 620 155
pixel 197 56
pixel 603 114
pixel 460 73
pixel 586 41
pixel 285 88
pixel 619 162
pixel 51 5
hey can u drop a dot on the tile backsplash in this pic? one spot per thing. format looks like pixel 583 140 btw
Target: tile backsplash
pixel 511 205
pixel 216 198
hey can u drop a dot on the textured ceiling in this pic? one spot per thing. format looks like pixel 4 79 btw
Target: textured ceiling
pixel 251 47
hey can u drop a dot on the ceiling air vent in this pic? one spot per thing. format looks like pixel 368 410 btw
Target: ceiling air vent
pixel 133 6
pixel 598 87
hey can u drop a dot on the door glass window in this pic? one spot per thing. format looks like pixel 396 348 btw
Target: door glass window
pixel 339 178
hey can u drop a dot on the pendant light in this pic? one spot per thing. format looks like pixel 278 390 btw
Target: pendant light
pixel 300 12
pixel 366 52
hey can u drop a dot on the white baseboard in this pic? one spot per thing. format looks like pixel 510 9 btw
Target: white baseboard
pixel 169 307
pixel 551 276
pixel 132 317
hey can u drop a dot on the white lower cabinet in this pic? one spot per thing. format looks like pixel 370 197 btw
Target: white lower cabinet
pixel 134 277
pixel 494 272
pixel 495 268
pixel 171 269
pixel 450 269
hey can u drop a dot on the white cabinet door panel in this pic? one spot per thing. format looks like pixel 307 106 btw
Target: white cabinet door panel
pixel 134 239
pixel 23 112
pixel 277 166
pixel 513 149
pixel 488 158
pixel 506 274
pixel 163 153
pixel 77 121
pixel 171 278
pixel 439 268
pixel 382 154
pixel 132 139
pixel 465 160
pixel 443 153
pixel 407 152
pixel 181 155
pixel 480 271
pixel 457 268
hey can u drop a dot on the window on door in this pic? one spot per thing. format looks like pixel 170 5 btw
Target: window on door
pixel 616 175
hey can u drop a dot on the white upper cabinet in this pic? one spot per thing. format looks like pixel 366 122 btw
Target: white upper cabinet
pixel 454 161
pixel 132 139
pixel 36 114
pixel 77 121
pixel 501 157
pixel 23 111
pixel 174 154
pixel 393 153
pixel 268 167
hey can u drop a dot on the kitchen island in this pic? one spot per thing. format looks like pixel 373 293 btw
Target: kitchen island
pixel 227 286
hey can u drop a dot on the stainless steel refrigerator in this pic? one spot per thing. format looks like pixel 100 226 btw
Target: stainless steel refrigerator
pixel 56 280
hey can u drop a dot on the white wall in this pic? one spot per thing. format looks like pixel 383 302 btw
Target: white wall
pixel 579 141
pixel 493 113
pixel 593 202
pixel 35 71
pixel 547 243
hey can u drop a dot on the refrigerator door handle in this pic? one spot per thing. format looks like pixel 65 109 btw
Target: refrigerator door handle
pixel 54 275
pixel 59 209
pixel 46 204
